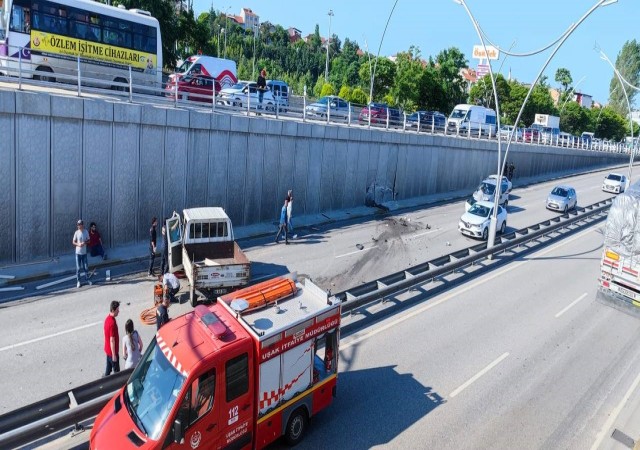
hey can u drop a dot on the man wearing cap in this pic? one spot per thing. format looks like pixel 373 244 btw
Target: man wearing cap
pixel 80 241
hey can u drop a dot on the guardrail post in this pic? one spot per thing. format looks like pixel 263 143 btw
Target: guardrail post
pixel 349 115
pixel 387 118
pixel 79 77
pixel 278 108
pixel 249 102
pixel 328 112
pixel 130 85
pixel 20 69
pixel 304 105
pixel 404 121
pixel 418 124
pixel 213 95
pixel 175 89
pixel 433 123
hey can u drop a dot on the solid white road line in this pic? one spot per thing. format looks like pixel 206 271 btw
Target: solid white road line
pixel 20 344
pixel 614 414
pixel 571 304
pixel 7 277
pixel 457 292
pixel 357 251
pixel 53 283
pixel 423 234
pixel 479 374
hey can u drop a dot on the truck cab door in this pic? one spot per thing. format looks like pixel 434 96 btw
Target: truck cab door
pixel 237 427
pixel 174 242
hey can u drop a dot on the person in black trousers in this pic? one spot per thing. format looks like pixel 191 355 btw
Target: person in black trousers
pixel 153 239
pixel 164 266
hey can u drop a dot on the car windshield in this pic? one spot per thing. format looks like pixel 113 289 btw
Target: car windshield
pixel 184 66
pixel 152 391
pixel 324 100
pixel 479 210
pixel 614 177
pixel 487 188
pixel 459 113
pixel 238 86
pixel 560 192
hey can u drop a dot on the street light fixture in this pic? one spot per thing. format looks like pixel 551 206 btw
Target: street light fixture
pixel 326 69
pixel 622 81
pixel 375 65
pixel 560 41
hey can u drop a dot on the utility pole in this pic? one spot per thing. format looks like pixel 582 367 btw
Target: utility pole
pixel 326 69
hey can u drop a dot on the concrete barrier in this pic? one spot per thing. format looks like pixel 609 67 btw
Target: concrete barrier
pixel 119 164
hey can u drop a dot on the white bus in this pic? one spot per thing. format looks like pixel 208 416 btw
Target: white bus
pixel 48 37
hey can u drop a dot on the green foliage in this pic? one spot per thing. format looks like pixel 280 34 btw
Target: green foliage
pixel 574 119
pixel 327 89
pixel 385 72
pixel 345 93
pixel 482 92
pixel 628 64
pixel 358 97
pixel 406 89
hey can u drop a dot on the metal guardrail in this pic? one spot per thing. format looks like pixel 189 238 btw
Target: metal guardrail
pixel 123 85
pixel 40 419
pixel 53 414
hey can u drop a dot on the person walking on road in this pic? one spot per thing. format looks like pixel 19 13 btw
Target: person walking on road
pixel 153 239
pixel 111 339
pixel 80 242
pixel 95 242
pixel 162 315
pixel 283 223
pixel 131 346
pixel 289 208
pixel 262 86
pixel 512 167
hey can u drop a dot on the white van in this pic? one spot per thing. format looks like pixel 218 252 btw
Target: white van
pixel 280 90
pixel 223 71
pixel 472 117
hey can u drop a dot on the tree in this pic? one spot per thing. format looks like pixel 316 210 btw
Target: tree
pixel 482 92
pixel 563 76
pixel 406 88
pixel 327 89
pixel 345 93
pixel 384 76
pixel 628 64
pixel 574 119
pixel 608 124
pixel 359 97
pixel 448 63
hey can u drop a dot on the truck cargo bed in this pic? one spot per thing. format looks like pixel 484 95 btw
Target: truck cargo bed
pixel 222 253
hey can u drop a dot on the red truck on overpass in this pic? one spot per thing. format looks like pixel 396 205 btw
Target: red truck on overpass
pixel 240 373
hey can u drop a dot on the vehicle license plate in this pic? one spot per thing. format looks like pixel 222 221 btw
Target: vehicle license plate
pixel 627 292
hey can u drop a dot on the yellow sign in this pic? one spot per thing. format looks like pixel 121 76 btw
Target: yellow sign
pixel 62 45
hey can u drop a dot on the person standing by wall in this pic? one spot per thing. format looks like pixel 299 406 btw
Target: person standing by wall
pixel 262 86
pixel 283 223
pixel 95 242
pixel 80 241
pixel 131 346
pixel 153 239
pixel 164 265
pixel 289 209
pixel 111 339
pixel 512 168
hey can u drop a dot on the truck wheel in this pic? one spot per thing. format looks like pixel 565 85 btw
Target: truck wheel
pixel 296 427
pixel 193 298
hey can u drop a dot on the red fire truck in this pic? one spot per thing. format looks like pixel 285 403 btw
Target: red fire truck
pixel 239 373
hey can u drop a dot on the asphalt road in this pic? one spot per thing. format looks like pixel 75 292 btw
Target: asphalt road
pixel 52 343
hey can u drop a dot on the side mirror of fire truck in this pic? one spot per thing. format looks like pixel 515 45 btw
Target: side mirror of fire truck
pixel 178 432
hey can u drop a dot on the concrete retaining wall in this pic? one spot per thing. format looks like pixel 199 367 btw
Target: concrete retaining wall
pixel 119 164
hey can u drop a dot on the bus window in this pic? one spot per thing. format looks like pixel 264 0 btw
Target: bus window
pixel 20 19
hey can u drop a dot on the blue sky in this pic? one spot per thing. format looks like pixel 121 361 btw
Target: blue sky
pixel 433 25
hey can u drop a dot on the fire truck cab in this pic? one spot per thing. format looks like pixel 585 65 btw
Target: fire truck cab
pixel 239 373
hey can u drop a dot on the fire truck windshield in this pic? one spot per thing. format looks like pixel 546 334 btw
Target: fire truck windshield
pixel 152 391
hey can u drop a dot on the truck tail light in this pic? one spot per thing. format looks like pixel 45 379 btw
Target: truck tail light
pixel 612 255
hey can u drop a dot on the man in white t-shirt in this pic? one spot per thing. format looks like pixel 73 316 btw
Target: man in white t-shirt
pixel 80 241
pixel 170 284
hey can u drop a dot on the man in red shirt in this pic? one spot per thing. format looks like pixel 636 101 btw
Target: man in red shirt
pixel 112 339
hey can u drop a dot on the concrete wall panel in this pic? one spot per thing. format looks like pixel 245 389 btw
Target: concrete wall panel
pixel 351 175
pixel 314 175
pixel 198 163
pixel 7 183
pixel 151 185
pixel 270 199
pixel 67 184
pixel 33 187
pixel 301 176
pixel 339 175
pixel 237 176
pixel 254 171
pixel 326 174
pixel 98 181
pixel 126 227
pixel 218 169
pixel 174 170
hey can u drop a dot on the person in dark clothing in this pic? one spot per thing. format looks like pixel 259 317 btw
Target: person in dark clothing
pixel 162 314
pixel 510 171
pixel 153 239
pixel 283 223
pixel 262 86
pixel 164 266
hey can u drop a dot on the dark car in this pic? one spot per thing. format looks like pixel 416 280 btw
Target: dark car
pixel 198 88
pixel 427 120
pixel 379 113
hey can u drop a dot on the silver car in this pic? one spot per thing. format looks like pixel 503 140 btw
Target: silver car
pixel 562 198
pixel 329 105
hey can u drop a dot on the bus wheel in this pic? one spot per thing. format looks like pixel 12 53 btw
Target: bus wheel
pixel 296 427
pixel 44 77
pixel 116 87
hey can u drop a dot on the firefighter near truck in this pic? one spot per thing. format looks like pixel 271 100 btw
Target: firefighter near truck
pixel 240 373
pixel 620 263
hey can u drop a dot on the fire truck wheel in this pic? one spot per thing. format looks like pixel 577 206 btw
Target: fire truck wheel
pixel 296 427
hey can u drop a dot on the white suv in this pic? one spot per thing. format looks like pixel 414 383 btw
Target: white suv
pixel 614 183
pixel 244 92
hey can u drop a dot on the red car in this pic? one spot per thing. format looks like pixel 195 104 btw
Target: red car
pixel 378 113
pixel 531 135
pixel 197 88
